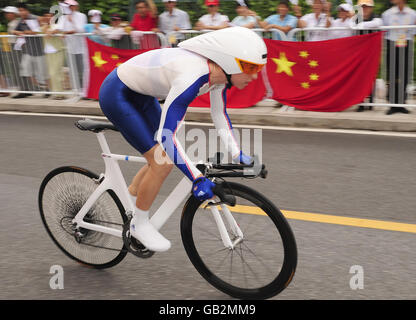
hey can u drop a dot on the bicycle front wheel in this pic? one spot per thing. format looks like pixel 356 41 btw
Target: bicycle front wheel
pixel 62 194
pixel 261 265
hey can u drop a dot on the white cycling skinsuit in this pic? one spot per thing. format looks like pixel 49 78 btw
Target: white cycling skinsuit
pixel 129 98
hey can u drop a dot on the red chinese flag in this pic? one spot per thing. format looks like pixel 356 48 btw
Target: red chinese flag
pixel 249 96
pixel 102 60
pixel 323 75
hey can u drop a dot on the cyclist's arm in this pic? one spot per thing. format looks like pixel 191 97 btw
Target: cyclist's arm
pixel 182 93
pixel 222 120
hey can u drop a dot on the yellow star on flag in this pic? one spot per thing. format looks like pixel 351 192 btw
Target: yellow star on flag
pixel 313 63
pixel 284 65
pixel 115 57
pixel 313 76
pixel 305 85
pixel 98 60
pixel 303 54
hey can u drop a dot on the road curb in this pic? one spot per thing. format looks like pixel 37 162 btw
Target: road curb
pixel 265 115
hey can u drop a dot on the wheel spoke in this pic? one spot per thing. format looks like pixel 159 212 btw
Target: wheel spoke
pixel 221 262
pixel 245 262
pixel 219 250
pixel 208 232
pixel 258 258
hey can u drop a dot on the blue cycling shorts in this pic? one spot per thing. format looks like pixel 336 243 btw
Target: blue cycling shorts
pixel 136 116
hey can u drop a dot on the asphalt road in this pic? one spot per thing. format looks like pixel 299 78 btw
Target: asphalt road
pixel 363 176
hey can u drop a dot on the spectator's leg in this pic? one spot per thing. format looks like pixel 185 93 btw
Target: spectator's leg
pixel 40 72
pixel 17 60
pixel 3 84
pixel 24 72
pixel 55 65
pixel 405 72
pixel 80 68
pixel 392 64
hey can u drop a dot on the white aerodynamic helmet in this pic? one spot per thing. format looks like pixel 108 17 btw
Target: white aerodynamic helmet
pixel 235 49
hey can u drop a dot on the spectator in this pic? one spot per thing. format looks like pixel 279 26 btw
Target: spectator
pixel 70 24
pixel 320 18
pixel 173 20
pixel 55 55
pixel 11 14
pixel 246 18
pixel 400 47
pixel 95 23
pixel 115 34
pixel 213 20
pixel 10 55
pixel 367 21
pixel 145 19
pixel 281 21
pixel 343 21
pixel 32 66
pixel 64 7
pixel 297 11
pixel 3 84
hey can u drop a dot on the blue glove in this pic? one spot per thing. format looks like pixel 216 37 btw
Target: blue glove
pixel 243 159
pixel 202 188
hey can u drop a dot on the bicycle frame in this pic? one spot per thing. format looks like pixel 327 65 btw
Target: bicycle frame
pixel 113 179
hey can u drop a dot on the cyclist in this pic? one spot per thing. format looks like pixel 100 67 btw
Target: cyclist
pixel 211 62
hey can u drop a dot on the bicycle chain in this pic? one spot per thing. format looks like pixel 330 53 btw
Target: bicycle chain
pixel 89 244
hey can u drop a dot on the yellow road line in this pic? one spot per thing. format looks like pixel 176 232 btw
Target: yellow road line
pixel 331 219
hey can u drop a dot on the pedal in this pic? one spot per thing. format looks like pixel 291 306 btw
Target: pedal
pixel 133 245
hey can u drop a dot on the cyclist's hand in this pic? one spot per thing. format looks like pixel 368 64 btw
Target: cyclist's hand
pixel 243 159
pixel 202 188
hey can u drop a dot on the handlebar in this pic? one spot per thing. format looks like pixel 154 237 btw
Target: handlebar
pixel 215 169
pixel 226 198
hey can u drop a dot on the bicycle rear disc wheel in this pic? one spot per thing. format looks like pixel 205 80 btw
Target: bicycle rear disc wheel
pixel 261 265
pixel 62 194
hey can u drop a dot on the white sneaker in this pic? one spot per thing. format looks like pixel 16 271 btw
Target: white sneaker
pixel 147 234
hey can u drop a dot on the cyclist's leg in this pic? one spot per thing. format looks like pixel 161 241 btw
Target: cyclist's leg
pixel 152 113
pixel 122 107
pixel 152 180
pixel 136 180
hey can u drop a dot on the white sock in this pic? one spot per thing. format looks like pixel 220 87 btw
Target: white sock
pixel 141 215
pixel 133 199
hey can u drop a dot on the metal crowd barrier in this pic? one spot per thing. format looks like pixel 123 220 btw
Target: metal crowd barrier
pixel 55 64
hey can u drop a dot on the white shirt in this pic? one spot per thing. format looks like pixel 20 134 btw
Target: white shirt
pixel 75 44
pixel 214 20
pixel 178 18
pixel 313 22
pixel 111 33
pixel 335 34
pixel 395 17
pixel 178 76
pixel 372 24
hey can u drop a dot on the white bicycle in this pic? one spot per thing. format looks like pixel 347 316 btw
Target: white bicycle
pixel 238 241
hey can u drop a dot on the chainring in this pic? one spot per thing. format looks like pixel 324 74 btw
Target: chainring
pixel 133 245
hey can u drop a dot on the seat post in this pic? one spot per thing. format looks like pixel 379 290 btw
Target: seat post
pixel 103 142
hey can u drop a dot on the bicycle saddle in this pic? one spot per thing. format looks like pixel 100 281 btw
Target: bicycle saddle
pixel 94 126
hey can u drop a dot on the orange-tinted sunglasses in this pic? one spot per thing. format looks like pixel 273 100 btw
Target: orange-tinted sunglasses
pixel 249 67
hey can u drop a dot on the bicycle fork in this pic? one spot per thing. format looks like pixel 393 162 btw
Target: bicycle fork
pixel 234 228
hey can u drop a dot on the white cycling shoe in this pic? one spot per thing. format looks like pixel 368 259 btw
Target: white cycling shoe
pixel 147 234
